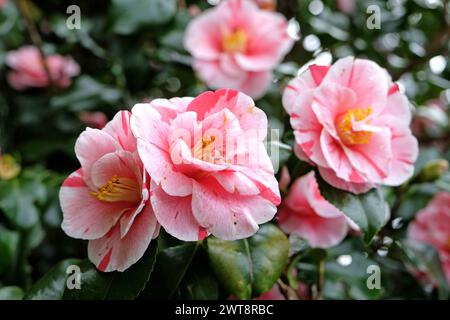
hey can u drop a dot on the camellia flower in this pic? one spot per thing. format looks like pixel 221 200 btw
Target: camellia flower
pixel 209 168
pixel 236 45
pixel 106 201
pixel 352 122
pixel 28 69
pixel 432 226
pixel 305 213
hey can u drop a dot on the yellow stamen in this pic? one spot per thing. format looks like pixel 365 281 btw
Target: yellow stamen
pixel 118 189
pixel 345 130
pixel 235 41
pixel 203 148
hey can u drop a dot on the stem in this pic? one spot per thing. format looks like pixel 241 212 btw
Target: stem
pixel 288 292
pixel 35 38
pixel 293 282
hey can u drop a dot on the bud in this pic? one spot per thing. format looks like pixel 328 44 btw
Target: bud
pixel 8 167
pixel 95 120
pixel 433 170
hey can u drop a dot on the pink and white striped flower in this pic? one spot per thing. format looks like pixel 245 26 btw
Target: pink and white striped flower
pixel 352 122
pixel 305 213
pixel 106 200
pixel 28 69
pixel 209 168
pixel 237 45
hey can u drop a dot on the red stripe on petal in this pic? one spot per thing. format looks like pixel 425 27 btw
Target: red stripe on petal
pixel 267 193
pixel 355 177
pixel 231 95
pixel 125 122
pixel 406 161
pixel 202 233
pixel 393 89
pixel 291 87
pixel 105 261
pixel 318 72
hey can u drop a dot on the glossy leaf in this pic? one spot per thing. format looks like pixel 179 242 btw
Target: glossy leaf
pixel 249 267
pixel 171 267
pixel 53 284
pixel 95 284
pixel 367 210
pixel 200 282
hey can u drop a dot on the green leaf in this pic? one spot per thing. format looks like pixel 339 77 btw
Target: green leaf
pixel 86 93
pixel 11 293
pixel 249 267
pixel 53 284
pixel 116 285
pixel 352 279
pixel 367 210
pixel 199 282
pixel 18 205
pixel 426 259
pixel 170 269
pixel 130 15
pixel 9 242
pixel 95 284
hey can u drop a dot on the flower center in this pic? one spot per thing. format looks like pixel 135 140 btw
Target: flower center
pixel 347 126
pixel 204 150
pixel 118 189
pixel 235 41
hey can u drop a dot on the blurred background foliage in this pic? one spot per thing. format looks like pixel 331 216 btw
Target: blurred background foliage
pixel 131 51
